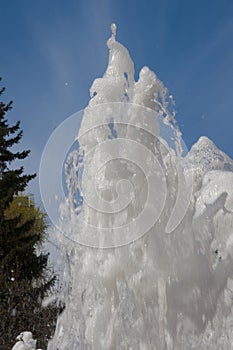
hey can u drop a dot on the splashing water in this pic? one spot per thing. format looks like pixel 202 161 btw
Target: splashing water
pixel 148 234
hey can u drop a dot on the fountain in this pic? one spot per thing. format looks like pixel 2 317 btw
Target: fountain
pixel 148 229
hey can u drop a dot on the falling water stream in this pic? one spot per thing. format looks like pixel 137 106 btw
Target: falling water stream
pixel 148 227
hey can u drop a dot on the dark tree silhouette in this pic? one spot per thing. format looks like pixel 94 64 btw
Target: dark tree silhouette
pixel 25 277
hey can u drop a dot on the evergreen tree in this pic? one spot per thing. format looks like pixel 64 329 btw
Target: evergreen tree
pixel 11 182
pixel 25 259
pixel 25 278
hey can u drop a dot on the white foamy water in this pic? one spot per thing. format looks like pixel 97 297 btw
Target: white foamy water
pixel 148 233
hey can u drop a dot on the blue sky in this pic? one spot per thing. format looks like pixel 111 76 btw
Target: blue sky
pixel 47 44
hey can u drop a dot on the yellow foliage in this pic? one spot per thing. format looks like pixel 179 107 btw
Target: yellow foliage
pixel 24 206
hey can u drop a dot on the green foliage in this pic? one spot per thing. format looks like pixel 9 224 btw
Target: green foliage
pixel 20 258
pixel 11 180
pixel 25 277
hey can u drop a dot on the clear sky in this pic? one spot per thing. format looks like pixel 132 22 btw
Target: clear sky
pixel 52 50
